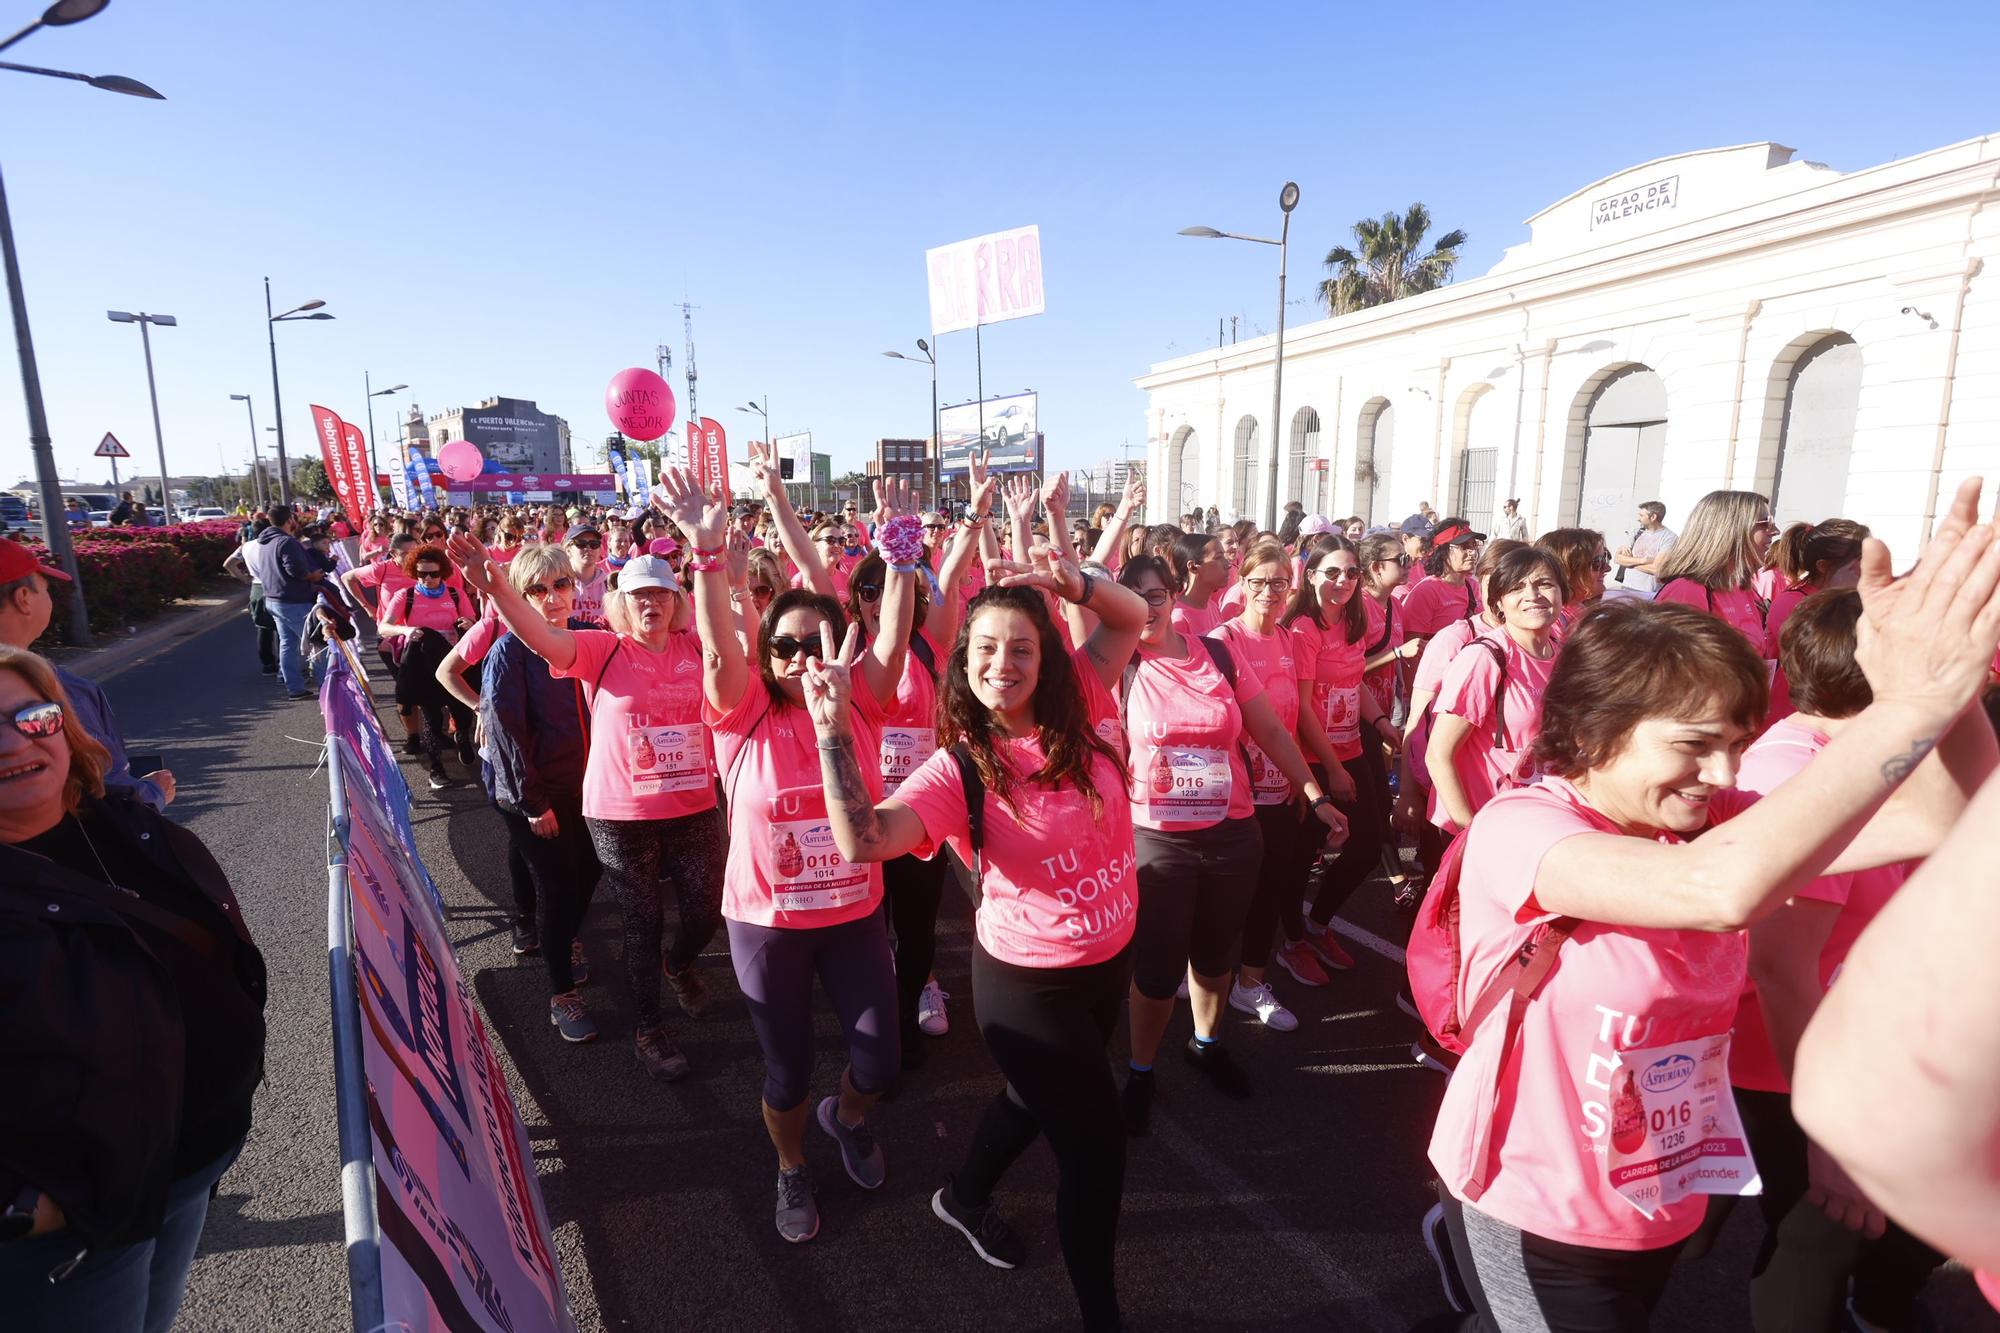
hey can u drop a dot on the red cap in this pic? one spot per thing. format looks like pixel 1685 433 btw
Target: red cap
pixel 17 562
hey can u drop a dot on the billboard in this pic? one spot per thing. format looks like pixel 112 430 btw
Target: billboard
pixel 985 280
pixel 1007 429
pixel 514 433
pixel 795 456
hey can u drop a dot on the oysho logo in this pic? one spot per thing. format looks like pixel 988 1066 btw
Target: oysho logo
pixel 1668 1074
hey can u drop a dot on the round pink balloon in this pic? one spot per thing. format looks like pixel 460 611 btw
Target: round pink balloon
pixel 460 460
pixel 640 404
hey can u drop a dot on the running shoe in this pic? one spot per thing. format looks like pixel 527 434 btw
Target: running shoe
pixel 525 939
pixel 467 755
pixel 1425 1051
pixel 1328 949
pixel 797 1216
pixel 1261 1001
pixel 931 1015
pixel 1135 1103
pixel 1437 1240
pixel 688 988
pixel 579 966
pixel 859 1153
pixel 569 1017
pixel 992 1239
pixel 300 694
pixel 438 780
pixel 1214 1062
pixel 1297 958
pixel 662 1059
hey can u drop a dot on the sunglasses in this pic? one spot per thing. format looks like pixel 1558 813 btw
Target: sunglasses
pixel 433 534
pixel 788 647
pixel 563 584
pixel 868 592
pixel 1405 561
pixel 1328 574
pixel 430 573
pixel 39 721
pixel 760 590
pixel 934 527
pixel 1601 563
pixel 587 543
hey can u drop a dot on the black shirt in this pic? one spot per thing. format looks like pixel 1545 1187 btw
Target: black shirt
pixel 224 1024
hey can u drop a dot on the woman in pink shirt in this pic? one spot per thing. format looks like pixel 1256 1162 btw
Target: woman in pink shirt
pixel 795 907
pixel 648 782
pixel 375 541
pixel 1201 570
pixel 1807 558
pixel 1586 1123
pixel 1049 833
pixel 1384 567
pixel 1450 593
pixel 1186 710
pixel 1585 560
pixel 419 625
pixel 1490 700
pixel 1714 565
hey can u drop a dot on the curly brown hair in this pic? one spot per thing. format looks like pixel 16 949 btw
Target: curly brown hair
pixel 422 551
pixel 1062 723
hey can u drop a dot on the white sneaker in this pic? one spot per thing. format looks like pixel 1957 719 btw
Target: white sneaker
pixel 1260 1000
pixel 931 1016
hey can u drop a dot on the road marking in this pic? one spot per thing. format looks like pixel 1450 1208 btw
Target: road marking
pixel 1368 939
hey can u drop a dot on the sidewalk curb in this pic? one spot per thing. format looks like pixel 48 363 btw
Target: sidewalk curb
pixel 101 664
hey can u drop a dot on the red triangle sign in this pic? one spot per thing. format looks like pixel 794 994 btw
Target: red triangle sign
pixel 108 447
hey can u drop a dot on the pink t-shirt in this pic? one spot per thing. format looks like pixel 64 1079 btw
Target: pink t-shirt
pixel 479 640
pixel 1782 605
pixel 1195 621
pixel 1485 767
pixel 1778 755
pixel 1276 660
pixel 909 730
pixel 650 754
pixel 1733 606
pixel 1435 603
pixel 1185 730
pixel 834 572
pixel 1547 1105
pixel 1336 676
pixel 1385 681
pixel 1438 655
pixel 783 868
pixel 1059 888
pixel 386 576
pixel 441 613
pixel 1233 597
pixel 589 594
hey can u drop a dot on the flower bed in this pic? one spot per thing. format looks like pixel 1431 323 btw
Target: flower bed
pixel 131 574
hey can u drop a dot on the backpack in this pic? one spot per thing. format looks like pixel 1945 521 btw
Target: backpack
pixel 1419 739
pixel 400 642
pixel 1435 958
pixel 920 648
pixel 975 810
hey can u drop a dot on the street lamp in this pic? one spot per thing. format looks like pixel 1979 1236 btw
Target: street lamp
pixel 256 457
pixel 144 320
pixel 278 403
pixel 368 385
pixel 1288 199
pixel 55 527
pixel 937 443
pixel 765 412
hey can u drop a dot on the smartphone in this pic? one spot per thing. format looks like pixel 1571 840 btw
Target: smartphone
pixel 142 764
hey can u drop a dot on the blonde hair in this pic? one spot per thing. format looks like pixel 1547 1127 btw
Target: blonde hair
pixel 762 562
pixel 1715 548
pixel 538 562
pixel 88 759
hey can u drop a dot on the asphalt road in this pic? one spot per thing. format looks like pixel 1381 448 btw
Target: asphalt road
pixel 1298 1209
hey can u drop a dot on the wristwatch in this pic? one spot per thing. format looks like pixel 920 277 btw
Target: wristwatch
pixel 1322 799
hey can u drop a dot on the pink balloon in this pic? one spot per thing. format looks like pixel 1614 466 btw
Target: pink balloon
pixel 639 403
pixel 460 460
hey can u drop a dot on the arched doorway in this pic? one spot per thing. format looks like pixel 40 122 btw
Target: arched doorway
pixel 1624 445
pixel 1244 473
pixel 1816 441
pixel 1183 469
pixel 1304 482
pixel 1482 428
pixel 1374 452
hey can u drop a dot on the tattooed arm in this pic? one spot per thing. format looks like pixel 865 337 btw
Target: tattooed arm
pixel 862 830
pixel 1941 782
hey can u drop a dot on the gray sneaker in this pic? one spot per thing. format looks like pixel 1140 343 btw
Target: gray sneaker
pixel 688 988
pixel 797 1216
pixel 657 1052
pixel 569 1017
pixel 859 1152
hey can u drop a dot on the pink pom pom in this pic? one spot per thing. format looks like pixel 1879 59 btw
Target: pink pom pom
pixel 901 540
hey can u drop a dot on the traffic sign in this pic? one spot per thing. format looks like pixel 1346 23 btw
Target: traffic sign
pixel 108 447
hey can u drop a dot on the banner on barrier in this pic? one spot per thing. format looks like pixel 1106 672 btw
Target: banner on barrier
pixel 465 1237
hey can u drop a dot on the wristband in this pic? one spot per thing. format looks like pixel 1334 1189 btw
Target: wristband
pixel 1089 586
pixel 705 551
pixel 711 565
pixel 910 568
pixel 1322 799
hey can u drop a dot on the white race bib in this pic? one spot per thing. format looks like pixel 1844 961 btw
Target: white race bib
pixel 1674 1126
pixel 663 759
pixel 808 873
pixel 1186 784
pixel 903 750
pixel 1268 783
pixel 1343 714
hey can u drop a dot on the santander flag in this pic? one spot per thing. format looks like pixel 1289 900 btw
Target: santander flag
pixel 333 454
pixel 711 456
pixel 355 450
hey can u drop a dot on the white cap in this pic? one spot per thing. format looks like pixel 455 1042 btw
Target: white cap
pixel 647 571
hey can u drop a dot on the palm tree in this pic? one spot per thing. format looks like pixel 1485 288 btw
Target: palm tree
pixel 1391 263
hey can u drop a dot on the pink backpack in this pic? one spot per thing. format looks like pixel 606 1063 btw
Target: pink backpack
pixel 1435 957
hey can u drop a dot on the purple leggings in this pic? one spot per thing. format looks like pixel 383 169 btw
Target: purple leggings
pixel 775 969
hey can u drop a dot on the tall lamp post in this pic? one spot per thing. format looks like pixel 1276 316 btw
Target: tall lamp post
pixel 765 412
pixel 1288 199
pixel 367 383
pixel 277 403
pixel 256 455
pixel 937 443
pixel 144 320
pixel 55 526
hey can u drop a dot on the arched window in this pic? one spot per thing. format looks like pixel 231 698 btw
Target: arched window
pixel 1483 426
pixel 1816 443
pixel 1302 479
pixel 1245 469
pixel 1624 443
pixel 1183 471
pixel 1374 452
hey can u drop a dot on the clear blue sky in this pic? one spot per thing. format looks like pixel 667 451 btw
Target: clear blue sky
pixel 513 198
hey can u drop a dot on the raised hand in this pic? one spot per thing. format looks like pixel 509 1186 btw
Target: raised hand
pixel 1019 492
pixel 891 498
pixel 983 486
pixel 1135 495
pixel 829 680
pixel 736 555
pixel 1061 576
pixel 1929 639
pixel 702 514
pixel 1055 499
pixel 474 561
pixel 764 470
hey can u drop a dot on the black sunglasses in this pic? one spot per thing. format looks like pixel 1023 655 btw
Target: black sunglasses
pixel 760 590
pixel 563 584
pixel 39 721
pixel 430 573
pixel 787 647
pixel 587 543
pixel 868 592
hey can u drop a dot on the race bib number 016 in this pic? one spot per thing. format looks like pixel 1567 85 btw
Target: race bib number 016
pixel 1674 1126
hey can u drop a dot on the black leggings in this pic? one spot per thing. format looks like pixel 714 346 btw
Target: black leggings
pixel 1278 878
pixel 638 856
pixel 417 687
pixel 1367 826
pixel 563 874
pixel 1519 1280
pixel 1047 1027
pixel 914 887
pixel 1195 888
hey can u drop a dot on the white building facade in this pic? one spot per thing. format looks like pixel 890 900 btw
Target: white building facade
pixel 1724 319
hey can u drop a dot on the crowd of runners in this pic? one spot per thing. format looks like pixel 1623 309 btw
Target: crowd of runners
pixel 1637 799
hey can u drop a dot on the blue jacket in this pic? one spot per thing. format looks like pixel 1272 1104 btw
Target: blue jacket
pixel 536 736
pixel 93 714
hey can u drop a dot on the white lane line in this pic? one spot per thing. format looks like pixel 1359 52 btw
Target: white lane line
pixel 1368 939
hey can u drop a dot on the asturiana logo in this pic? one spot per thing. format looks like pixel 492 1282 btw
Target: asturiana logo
pixel 1668 1074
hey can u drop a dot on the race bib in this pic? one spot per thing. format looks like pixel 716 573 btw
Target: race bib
pixel 1674 1126
pixel 663 759
pixel 1343 714
pixel 1187 784
pixel 1268 783
pixel 808 873
pixel 903 749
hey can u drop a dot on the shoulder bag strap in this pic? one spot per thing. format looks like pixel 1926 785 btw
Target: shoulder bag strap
pixel 130 906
